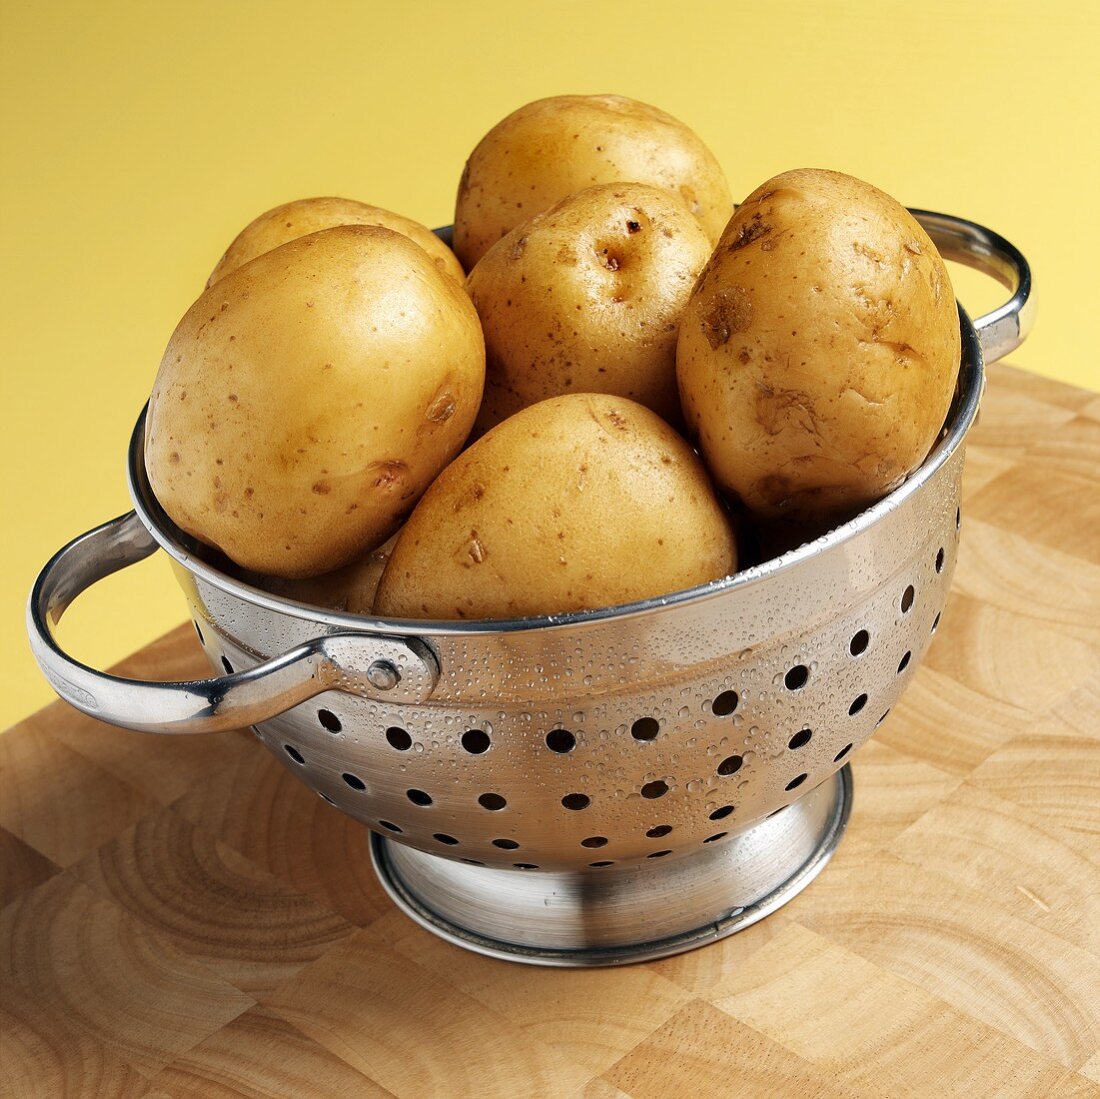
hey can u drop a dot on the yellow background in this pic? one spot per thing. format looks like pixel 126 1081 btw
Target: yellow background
pixel 138 138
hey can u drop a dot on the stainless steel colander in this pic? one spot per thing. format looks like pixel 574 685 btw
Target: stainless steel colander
pixel 591 788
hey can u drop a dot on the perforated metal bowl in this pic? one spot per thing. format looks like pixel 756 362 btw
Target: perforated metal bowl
pixel 594 788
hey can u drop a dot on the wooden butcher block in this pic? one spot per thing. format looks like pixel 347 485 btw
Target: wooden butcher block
pixel 182 918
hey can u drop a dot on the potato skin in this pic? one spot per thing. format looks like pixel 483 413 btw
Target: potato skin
pixel 579 502
pixel 586 298
pixel 552 147
pixel 296 219
pixel 819 352
pixel 307 399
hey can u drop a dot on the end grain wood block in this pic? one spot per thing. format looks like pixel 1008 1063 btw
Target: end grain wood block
pixel 44 1052
pixel 1025 864
pixel 1002 654
pixel 21 867
pixel 241 922
pixel 93 969
pixel 1057 777
pixel 257 807
pixel 588 1017
pixel 1004 569
pixel 410 1030
pixel 259 1055
pixel 704 1051
pixel 949 940
pixel 58 802
pixel 946 723
pixel 887 1037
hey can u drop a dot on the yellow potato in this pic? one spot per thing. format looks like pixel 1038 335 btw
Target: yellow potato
pixel 819 352
pixel 553 147
pixel 310 215
pixel 579 502
pixel 307 399
pixel 586 298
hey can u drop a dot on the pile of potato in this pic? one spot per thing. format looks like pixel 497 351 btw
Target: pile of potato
pixel 309 416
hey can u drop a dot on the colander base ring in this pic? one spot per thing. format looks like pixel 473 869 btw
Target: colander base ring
pixel 621 915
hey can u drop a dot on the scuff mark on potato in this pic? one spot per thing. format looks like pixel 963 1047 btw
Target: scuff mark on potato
pixel 730 312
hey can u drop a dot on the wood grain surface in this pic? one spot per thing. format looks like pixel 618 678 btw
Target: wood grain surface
pixel 180 917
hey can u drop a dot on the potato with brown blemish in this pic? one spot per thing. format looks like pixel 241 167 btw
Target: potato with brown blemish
pixel 818 355
pixel 307 399
pixel 310 215
pixel 586 298
pixel 575 503
pixel 553 147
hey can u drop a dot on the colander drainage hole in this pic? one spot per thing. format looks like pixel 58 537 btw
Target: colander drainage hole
pixel 576 801
pixel 390 825
pixel 475 741
pixel 660 830
pixel 842 753
pixel 354 781
pixel 444 838
pixel 656 789
pixel 397 738
pixel 326 797
pixel 715 837
pixel 795 782
pixel 560 741
pixel 907 599
pixel 877 723
pixel 958 518
pixel 730 765
pixel 329 721
pixel 859 643
pixel 722 813
pixel 857 705
pixel 506 845
pixel 604 863
pixel 904 662
pixel 418 797
pixel 645 728
pixel 594 841
pixel 658 854
pixel 473 862
pixel 800 740
pixel 725 703
pixel 492 801
pixel 227 666
pixel 202 640
pixel 293 753
pixel 935 624
pixel 525 866
pixel 939 560
pixel 796 677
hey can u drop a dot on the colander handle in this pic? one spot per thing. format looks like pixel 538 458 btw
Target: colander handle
pixel 394 669
pixel 966 242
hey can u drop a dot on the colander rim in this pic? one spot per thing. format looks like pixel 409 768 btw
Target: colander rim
pixel 188 552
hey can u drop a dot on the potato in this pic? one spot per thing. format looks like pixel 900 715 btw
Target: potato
pixel 553 147
pixel 586 298
pixel 579 502
pixel 350 589
pixel 307 399
pixel 311 215
pixel 818 355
